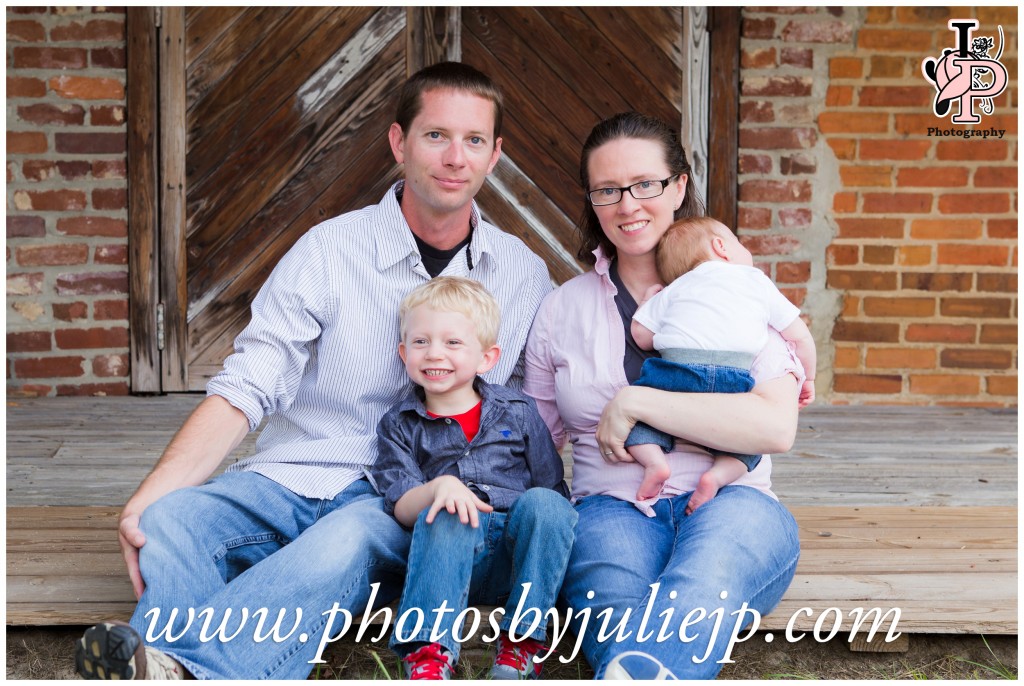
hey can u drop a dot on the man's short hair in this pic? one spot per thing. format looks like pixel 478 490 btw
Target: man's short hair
pixel 686 244
pixel 447 76
pixel 456 294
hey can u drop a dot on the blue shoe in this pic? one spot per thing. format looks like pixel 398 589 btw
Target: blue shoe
pixel 636 666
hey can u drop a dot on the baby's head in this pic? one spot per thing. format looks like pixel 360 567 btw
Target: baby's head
pixel 693 240
pixel 449 329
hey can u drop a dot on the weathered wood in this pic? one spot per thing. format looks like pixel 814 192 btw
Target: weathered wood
pixel 860 644
pixel 204 27
pixel 723 120
pixel 696 99
pixel 143 194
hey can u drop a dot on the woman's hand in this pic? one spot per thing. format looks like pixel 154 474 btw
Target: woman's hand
pixel 616 422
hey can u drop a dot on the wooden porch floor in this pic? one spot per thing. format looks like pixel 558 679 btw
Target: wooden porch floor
pixel 903 507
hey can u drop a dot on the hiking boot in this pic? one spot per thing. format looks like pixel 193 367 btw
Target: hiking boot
pixel 637 666
pixel 114 650
pixel 515 660
pixel 429 662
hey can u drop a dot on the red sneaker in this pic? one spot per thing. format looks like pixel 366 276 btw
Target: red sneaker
pixel 430 662
pixel 514 661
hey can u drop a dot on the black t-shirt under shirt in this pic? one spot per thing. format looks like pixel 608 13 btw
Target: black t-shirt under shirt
pixel 434 260
pixel 634 358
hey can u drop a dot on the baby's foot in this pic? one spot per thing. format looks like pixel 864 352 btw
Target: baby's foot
pixel 707 488
pixel 655 476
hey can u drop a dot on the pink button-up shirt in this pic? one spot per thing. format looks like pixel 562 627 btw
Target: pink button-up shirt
pixel 574 368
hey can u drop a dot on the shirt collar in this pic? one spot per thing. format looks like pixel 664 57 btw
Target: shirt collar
pixel 602 264
pixel 414 398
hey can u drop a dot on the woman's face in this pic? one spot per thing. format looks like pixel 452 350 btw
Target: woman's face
pixel 634 226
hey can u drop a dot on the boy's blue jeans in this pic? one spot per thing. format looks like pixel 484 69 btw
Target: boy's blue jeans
pixel 684 371
pixel 453 563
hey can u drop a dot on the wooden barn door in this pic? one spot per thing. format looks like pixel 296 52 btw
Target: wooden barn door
pixel 268 120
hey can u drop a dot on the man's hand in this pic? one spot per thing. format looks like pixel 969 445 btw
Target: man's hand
pixel 131 539
pixel 455 497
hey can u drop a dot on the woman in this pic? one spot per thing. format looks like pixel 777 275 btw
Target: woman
pixel 655 573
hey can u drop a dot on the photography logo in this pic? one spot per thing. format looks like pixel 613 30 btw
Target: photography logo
pixel 966 73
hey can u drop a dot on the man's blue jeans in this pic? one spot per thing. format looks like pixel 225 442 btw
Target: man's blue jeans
pixel 243 541
pixel 453 563
pixel 742 543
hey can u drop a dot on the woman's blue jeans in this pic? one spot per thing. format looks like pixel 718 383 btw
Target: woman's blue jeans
pixel 458 565
pixel 243 541
pixel 742 543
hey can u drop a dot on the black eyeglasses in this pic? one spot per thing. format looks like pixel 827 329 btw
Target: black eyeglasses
pixel 641 190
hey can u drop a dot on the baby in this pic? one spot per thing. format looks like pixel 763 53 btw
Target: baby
pixel 708 325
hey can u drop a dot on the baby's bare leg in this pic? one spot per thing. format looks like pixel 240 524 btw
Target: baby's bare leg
pixel 656 470
pixel 723 472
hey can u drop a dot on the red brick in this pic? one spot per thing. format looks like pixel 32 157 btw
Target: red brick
pixel 93 226
pixel 871 149
pixel 839 96
pixel 755 164
pixel 842 255
pixel 895 40
pixel 110 198
pixel 96 283
pixel 924 281
pixel 75 169
pixel 847 358
pixel 799 163
pixel 49 255
pixel 999 333
pixel 1002 228
pixel 25 87
pixel 25 227
pixel 87 88
pixel 110 309
pixel 879 254
pixel 26 142
pixel 755 218
pixel 970 150
pixel 793 272
pixel 28 390
pixel 945 384
pixel 25 31
pixel 899 307
pixel 38 170
pixel 923 15
pixel 867 383
pixel 853 122
pixel 795 295
pixel 95 30
pixel 845 68
pixel 997 15
pixel 931 229
pixel 914 255
pixel 817 32
pixel 776 86
pixel 887 67
pixel 75 339
pixel 976 358
pixel 862 280
pixel 758 58
pixel 53 201
pixel 866 175
pixel 775 191
pixel 48 367
pixel 107 115
pixel 897 203
pixel 26 10
pixel 111 254
pixel 974 203
pixel 69 312
pixel 100 389
pixel 756 111
pixel 797 57
pixel 50 58
pixel 844 202
pixel 975 308
pixel 91 143
pixel 999 177
pixel 778 138
pixel 940 333
pixel 932 177
pixel 843 148
pixel 997 283
pixel 914 124
pixel 25 284
pixel 1002 385
pixel 108 58
pixel 900 358
pixel 973 254
pixel 110 365
pixel 29 342
pixel 771 245
pixel 795 217
pixel 758 28
pixel 46 113
pixel 895 96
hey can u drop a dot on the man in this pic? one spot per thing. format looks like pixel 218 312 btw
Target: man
pixel 297 527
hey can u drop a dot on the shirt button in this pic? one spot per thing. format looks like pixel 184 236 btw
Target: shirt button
pixel 486 488
pixel 447 420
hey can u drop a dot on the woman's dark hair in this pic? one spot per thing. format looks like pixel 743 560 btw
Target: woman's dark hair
pixel 447 76
pixel 631 125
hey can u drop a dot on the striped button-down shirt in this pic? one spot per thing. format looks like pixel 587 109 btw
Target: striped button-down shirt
pixel 320 355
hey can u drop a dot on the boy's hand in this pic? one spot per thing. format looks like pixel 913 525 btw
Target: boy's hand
pixel 806 393
pixel 455 497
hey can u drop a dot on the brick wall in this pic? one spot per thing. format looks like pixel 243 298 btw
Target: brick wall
pixel 901 248
pixel 67 279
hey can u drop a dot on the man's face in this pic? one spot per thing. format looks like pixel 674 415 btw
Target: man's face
pixel 448 150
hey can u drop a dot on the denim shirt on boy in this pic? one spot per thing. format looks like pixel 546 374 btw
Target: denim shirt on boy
pixel 511 452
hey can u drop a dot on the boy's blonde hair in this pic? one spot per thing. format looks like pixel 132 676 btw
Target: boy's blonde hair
pixel 686 244
pixel 456 294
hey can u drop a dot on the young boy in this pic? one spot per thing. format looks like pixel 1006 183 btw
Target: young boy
pixel 708 324
pixel 471 468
